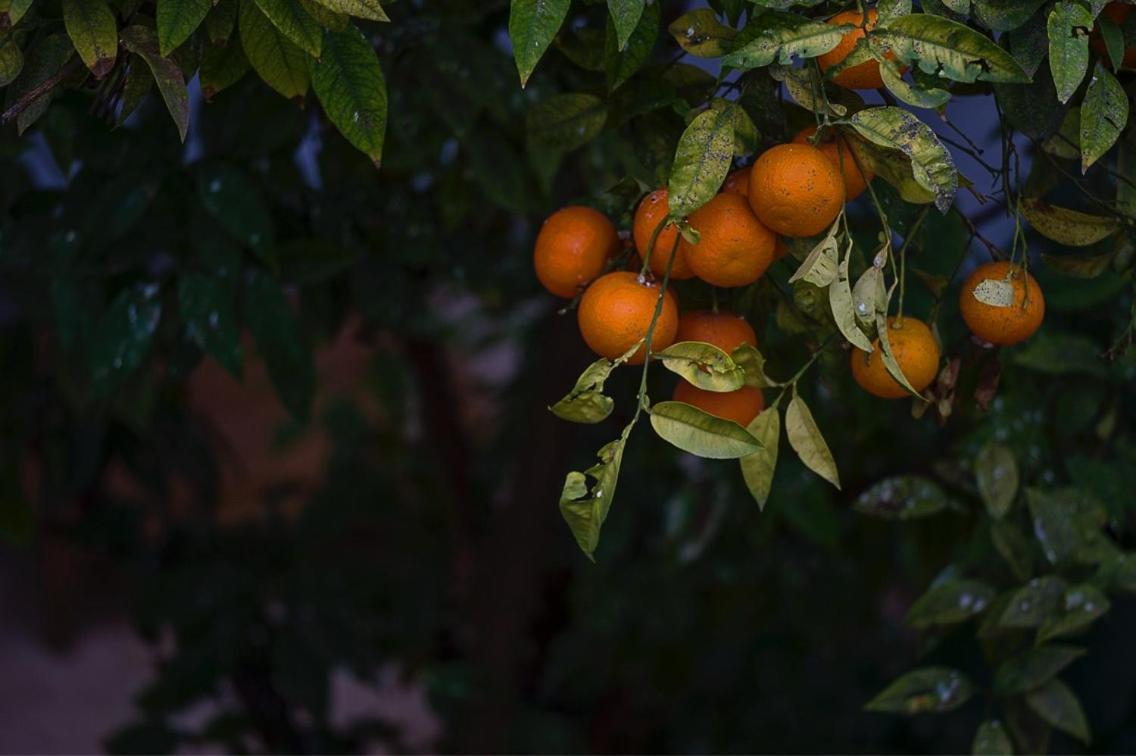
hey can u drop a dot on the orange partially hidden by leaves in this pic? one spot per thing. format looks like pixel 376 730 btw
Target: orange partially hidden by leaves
pixel 1117 13
pixel 616 311
pixel 651 211
pixel 864 75
pixel 724 330
pixel 838 149
pixel 737 182
pixel 915 350
pixel 1003 326
pixel 572 248
pixel 795 190
pixel 741 406
pixel 733 248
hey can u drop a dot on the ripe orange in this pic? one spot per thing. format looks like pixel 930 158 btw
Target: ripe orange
pixel 724 330
pixel 571 249
pixel 616 311
pixel 838 149
pixel 864 75
pixel 795 190
pixel 648 215
pixel 1003 326
pixel 737 182
pixel 741 406
pixel 915 350
pixel 1117 13
pixel 733 249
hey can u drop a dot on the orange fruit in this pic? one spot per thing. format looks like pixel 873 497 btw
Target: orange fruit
pixel 1117 13
pixel 648 215
pixel 1003 326
pixel 724 330
pixel 616 311
pixel 795 190
pixel 741 406
pixel 864 75
pixel 915 350
pixel 838 149
pixel 572 248
pixel 737 182
pixel 733 249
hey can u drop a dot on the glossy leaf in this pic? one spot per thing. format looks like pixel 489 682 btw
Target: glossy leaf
pixel 702 161
pixel 1031 604
pixel 1104 114
pixel 758 468
pixel 280 341
pixel 806 439
pixel 93 30
pixel 280 63
pixel 905 497
pixel 700 433
pixel 930 689
pixel 1068 26
pixel 704 365
pixel 997 472
pixel 950 602
pixel 532 26
pixel 586 498
pixel 1033 668
pixel 1068 227
pixel 931 163
pixel 142 41
pixel 1080 606
pixel 177 19
pixel 348 80
pixel 700 33
pixel 206 308
pixel 949 49
pixel 565 121
pixel 782 37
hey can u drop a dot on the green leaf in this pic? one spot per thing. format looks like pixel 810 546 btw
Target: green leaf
pixel 565 121
pixel 206 308
pixel 1059 707
pixel 280 341
pixel 1005 15
pixel 1029 605
pixel 11 11
pixel 843 309
pixel 177 19
pixel 1104 114
pixel 280 63
pixel 294 23
pixel 912 94
pixel 701 161
pixel 349 83
pixel 1068 227
pixel 623 57
pixel 219 24
pixel 1054 525
pixel 904 497
pixel 585 507
pixel 700 33
pixel 1113 36
pixel 752 364
pixel 806 439
pixel 700 433
pixel 11 61
pixel 997 472
pixel 950 50
pixel 991 739
pixel 368 9
pixel 232 199
pixel 586 402
pixel 222 66
pixel 532 26
pixel 1033 668
pixel 780 37
pixel 92 28
pixel 326 17
pixel 1013 546
pixel 1060 353
pixel 758 468
pixel 1080 606
pixel 123 338
pixel 704 365
pixel 1068 26
pixel 142 41
pixel 625 15
pixel 931 163
pixel 44 60
pixel 950 602
pixel 930 689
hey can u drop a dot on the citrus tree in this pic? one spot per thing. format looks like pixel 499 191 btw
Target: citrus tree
pixel 754 217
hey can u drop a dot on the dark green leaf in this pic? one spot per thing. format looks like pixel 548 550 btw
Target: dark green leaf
pixel 997 472
pixel 991 739
pixel 368 9
pixel 1033 668
pixel 532 26
pixel 221 68
pixel 294 23
pixel 280 341
pixel 950 602
pixel 1069 24
pixel 1058 706
pixel 11 61
pixel 123 338
pixel 565 121
pixel 905 497
pixel 1080 606
pixel 141 41
pixel 924 690
pixel 206 307
pixel 625 16
pixel 1060 353
pixel 1030 605
pixel 1104 114
pixel 349 83
pixel 236 202
pixel 177 19
pixel 91 26
pixel 280 63
pixel 623 57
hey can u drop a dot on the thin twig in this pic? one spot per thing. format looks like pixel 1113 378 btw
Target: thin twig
pixel 39 90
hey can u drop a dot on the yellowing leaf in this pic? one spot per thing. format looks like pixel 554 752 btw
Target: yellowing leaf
pixel 704 365
pixel 92 28
pixel 806 439
pixel 700 33
pixel 702 161
pixel 780 37
pixel 700 433
pixel 931 162
pixel 368 9
pixel 758 468
pixel 1068 227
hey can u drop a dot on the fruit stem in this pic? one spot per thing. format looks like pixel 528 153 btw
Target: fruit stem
pixel 903 256
pixel 651 248
pixel 654 322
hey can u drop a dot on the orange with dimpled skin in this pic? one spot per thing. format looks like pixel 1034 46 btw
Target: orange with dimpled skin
pixel 733 248
pixel 795 190
pixel 838 149
pixel 572 248
pixel 741 406
pixel 616 311
pixel 724 330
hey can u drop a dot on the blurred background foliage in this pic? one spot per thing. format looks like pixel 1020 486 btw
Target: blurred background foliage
pixel 379 490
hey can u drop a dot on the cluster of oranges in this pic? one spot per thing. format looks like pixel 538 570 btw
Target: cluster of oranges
pixel 792 190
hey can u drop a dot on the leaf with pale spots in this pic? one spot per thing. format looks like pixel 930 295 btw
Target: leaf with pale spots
pixel 948 49
pixel 1068 227
pixel 777 37
pixel 700 33
pixel 950 602
pixel 702 160
pixel 206 307
pixel 930 689
pixel 931 163
pixel 996 471
pixel 348 80
pixel 905 497
pixel 625 15
pixel 1104 114
pixel 1079 607
pixel 1068 26
pixel 123 337
pixel 368 9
